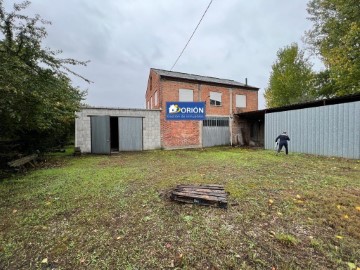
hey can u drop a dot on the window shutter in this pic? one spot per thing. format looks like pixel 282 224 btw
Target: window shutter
pixel 215 96
pixel 186 95
pixel 240 101
pixel 156 98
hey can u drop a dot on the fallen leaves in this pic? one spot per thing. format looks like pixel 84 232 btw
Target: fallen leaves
pixel 298 201
pixel 45 261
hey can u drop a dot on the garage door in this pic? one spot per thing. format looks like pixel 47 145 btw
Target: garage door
pixel 215 131
pixel 130 134
pixel 100 134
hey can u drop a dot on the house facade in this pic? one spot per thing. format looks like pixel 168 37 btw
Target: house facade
pixel 224 99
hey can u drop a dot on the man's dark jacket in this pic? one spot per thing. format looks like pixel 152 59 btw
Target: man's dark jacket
pixel 283 138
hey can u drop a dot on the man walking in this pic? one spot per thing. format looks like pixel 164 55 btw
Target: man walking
pixel 283 138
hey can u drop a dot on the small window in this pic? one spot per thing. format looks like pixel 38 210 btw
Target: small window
pixel 215 98
pixel 186 95
pixel 151 103
pixel 216 122
pixel 240 101
pixel 156 98
pixel 148 105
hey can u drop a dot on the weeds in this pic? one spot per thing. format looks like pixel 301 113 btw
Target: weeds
pixel 287 239
pixel 100 212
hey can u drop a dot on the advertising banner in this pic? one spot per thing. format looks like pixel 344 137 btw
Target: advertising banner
pixel 185 110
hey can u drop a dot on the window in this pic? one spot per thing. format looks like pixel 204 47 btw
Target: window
pixel 215 98
pixel 151 103
pixel 216 122
pixel 240 101
pixel 186 95
pixel 156 98
pixel 148 105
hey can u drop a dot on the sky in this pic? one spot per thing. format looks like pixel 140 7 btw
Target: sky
pixel 123 39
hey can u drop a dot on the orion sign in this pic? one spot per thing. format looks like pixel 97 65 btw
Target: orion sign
pixel 185 110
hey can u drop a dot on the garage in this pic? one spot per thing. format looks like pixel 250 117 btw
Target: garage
pixel 114 134
pixel 111 130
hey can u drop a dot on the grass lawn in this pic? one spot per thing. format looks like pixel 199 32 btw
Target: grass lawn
pixel 113 212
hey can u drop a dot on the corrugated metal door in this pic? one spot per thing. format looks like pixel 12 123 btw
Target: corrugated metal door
pixel 130 134
pixel 100 134
pixel 215 131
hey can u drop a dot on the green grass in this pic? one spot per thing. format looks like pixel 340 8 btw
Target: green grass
pixel 113 212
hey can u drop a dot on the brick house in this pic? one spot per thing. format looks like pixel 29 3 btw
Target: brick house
pixel 224 99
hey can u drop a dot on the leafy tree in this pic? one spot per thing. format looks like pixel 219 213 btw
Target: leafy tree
pixel 324 86
pixel 291 79
pixel 335 36
pixel 37 101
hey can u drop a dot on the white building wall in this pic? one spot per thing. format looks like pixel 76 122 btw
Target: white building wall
pixel 151 126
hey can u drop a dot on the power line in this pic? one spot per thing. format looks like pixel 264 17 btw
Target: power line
pixel 191 35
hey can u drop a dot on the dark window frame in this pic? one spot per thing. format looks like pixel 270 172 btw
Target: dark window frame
pixel 216 122
pixel 215 103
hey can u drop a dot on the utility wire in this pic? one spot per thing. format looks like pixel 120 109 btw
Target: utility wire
pixel 191 35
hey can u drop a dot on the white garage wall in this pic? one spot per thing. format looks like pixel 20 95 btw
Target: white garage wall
pixel 151 126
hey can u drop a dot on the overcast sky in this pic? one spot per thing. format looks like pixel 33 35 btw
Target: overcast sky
pixel 123 39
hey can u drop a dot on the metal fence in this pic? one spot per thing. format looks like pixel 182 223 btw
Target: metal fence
pixel 332 130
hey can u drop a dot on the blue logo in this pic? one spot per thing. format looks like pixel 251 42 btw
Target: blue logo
pixel 185 110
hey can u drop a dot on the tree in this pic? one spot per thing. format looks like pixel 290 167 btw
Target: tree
pixel 37 101
pixel 291 79
pixel 335 36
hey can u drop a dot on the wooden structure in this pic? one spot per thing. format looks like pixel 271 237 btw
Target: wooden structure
pixel 20 163
pixel 214 195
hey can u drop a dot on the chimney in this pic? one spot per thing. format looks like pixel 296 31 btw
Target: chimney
pixel 246 81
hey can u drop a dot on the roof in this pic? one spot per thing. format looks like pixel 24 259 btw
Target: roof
pixel 89 107
pixel 309 104
pixel 199 78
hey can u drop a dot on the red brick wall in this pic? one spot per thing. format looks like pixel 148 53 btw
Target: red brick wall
pixel 153 86
pixel 182 134
pixel 178 134
pixel 251 100
pixel 224 109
